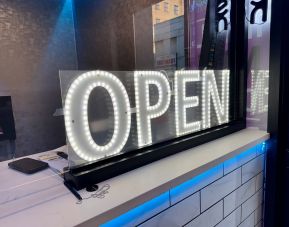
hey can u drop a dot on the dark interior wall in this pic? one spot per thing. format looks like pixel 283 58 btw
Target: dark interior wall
pixel 105 33
pixel 144 39
pixel 36 41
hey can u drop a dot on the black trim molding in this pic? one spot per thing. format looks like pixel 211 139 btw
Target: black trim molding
pixel 94 173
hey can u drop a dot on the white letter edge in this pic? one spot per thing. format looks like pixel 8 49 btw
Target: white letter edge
pixel 76 116
pixel 144 110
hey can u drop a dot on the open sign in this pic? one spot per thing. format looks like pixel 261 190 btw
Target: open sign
pixel 213 97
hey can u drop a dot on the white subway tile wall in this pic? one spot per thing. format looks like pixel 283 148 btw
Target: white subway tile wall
pixel 260 224
pixel 234 219
pixel 258 214
pixel 260 181
pixel 240 160
pixel 219 189
pixel 252 204
pixel 229 195
pixel 185 210
pixel 239 196
pixel 209 218
pixel 252 168
pixel 248 222
pixel 188 188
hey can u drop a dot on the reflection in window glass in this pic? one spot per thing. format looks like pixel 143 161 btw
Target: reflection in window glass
pixel 122 35
pixel 209 38
pixel 185 37
pixel 142 37
pixel 258 20
pixel 110 35
pixel 166 33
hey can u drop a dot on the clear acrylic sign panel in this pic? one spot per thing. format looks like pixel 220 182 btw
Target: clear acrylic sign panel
pixel 110 113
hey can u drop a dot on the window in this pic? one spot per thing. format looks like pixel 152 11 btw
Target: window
pixel 157 6
pixel 173 45
pixel 160 52
pixel 166 6
pixel 176 10
pixel 159 47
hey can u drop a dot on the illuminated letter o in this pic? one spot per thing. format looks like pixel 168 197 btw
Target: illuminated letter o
pixel 76 116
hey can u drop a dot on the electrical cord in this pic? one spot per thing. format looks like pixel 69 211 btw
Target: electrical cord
pixel 99 194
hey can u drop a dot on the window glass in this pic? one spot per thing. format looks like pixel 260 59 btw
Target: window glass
pixel 111 35
pixel 164 37
pixel 39 39
pixel 209 38
pixel 153 40
pixel 258 18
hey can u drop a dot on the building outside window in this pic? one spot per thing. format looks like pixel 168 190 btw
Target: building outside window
pixel 157 6
pixel 166 6
pixel 158 20
pixel 176 10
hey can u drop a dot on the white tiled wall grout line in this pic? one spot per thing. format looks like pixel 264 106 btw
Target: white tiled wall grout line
pixel 233 180
pixel 249 165
pixel 223 214
pixel 168 208
pixel 242 172
pixel 256 213
pixel 199 190
pixel 241 213
pixel 205 212
pixel 248 217
pixel 244 221
pixel 200 201
pixel 243 165
pixel 170 200
pixel 223 209
pixel 257 156
pixel 241 162
pixel 152 216
pixel 232 211
pixel 259 222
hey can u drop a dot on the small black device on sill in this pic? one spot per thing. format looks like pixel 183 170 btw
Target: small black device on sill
pixel 28 165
